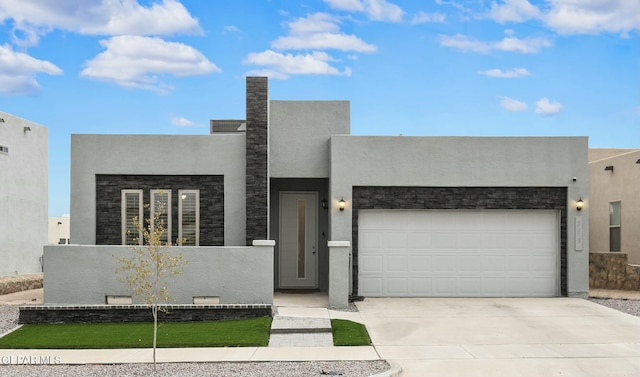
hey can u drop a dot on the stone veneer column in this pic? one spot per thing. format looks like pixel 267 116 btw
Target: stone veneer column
pixel 257 136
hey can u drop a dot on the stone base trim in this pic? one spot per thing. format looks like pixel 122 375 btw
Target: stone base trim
pixel 19 283
pixel 609 270
pixel 139 313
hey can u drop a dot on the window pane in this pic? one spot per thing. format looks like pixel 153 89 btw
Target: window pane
pixel 161 200
pixel 614 213
pixel 189 227
pixel 614 239
pixel 301 238
pixel 131 212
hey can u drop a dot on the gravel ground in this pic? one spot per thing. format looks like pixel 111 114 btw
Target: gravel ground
pixel 284 369
pixel 626 306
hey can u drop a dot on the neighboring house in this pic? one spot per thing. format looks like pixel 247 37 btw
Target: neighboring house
pixel 614 201
pixel 23 195
pixel 425 216
pixel 59 230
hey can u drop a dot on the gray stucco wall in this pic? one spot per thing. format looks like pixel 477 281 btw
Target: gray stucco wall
pixel 466 162
pixel 299 133
pixel 86 274
pixel 622 184
pixel 220 154
pixel 23 195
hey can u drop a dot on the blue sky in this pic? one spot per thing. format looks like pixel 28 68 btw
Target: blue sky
pixel 431 67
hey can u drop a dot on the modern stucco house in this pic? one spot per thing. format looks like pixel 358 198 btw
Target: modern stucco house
pixel 420 216
pixel 23 194
pixel 614 194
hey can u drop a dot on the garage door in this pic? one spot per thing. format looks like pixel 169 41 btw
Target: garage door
pixel 451 253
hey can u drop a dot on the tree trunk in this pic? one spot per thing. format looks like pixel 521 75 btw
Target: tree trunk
pixel 154 310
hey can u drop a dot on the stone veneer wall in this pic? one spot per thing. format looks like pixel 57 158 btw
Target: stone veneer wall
pixel 612 271
pixel 109 209
pixel 257 146
pixel 139 313
pixel 399 197
pixel 19 283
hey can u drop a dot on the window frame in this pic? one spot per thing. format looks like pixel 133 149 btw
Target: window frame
pixel 617 226
pixel 152 209
pixel 123 214
pixel 197 214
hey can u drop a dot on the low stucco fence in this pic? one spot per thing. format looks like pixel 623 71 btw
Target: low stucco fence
pixel 86 274
pixel 612 271
pixel 19 283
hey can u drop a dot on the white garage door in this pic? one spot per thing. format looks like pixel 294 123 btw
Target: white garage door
pixel 482 253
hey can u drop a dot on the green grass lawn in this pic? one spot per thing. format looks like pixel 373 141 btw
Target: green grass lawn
pixel 348 333
pixel 235 333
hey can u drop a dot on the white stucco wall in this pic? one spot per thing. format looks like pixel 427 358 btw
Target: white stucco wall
pixel 299 133
pixel 466 161
pixel 623 184
pixel 218 154
pixel 58 229
pixel 23 195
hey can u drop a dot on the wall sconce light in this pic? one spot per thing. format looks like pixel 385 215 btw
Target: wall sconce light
pixel 26 129
pixel 580 204
pixel 1 120
pixel 183 196
pixel 638 162
pixel 342 204
pixel 608 168
pixel 324 203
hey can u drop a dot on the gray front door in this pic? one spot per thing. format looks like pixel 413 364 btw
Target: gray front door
pixel 298 240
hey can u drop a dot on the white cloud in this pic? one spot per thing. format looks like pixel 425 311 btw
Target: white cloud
pixel 319 31
pixel 546 107
pixel 136 62
pixel 511 104
pixel 183 122
pixel 34 18
pixel 523 46
pixel 512 44
pixel 513 11
pixel 508 74
pixel 231 29
pixel 593 16
pixel 464 43
pixel 377 10
pixel 18 71
pixel 423 17
pixel 281 66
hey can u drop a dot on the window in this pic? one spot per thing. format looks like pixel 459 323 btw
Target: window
pixel 614 226
pixel 4 149
pixel 132 215
pixel 161 202
pixel 189 217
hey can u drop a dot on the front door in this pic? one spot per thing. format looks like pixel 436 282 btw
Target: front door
pixel 298 240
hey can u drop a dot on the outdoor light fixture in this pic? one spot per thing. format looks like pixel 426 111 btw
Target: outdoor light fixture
pixel 1 120
pixel 638 162
pixel 580 204
pixel 342 204
pixel 608 168
pixel 184 196
pixel 324 204
pixel 26 129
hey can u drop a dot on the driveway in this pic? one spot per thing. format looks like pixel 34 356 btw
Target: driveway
pixel 503 337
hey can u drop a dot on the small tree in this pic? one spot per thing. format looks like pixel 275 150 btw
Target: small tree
pixel 151 266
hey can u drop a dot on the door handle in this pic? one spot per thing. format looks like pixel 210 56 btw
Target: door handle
pixel 313 249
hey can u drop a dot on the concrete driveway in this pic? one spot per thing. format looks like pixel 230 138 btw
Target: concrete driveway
pixel 503 337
